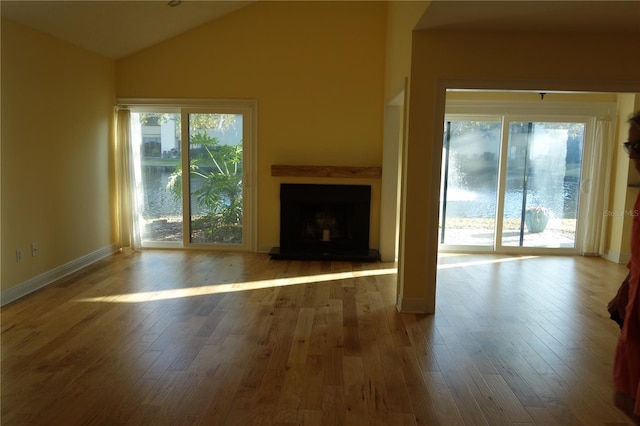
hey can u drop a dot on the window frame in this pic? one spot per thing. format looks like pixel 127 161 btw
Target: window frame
pixel 248 109
pixel 585 112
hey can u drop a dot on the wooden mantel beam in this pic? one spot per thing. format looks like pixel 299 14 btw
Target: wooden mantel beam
pixel 326 171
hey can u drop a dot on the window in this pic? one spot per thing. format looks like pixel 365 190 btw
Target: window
pixel 151 146
pixel 512 182
pixel 211 205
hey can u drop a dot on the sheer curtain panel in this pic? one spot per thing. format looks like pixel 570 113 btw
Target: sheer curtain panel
pixel 129 182
pixel 596 190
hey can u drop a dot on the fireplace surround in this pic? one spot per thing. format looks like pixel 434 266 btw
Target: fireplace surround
pixel 327 222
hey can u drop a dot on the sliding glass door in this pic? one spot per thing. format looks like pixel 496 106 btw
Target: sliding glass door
pixel 470 165
pixel 193 166
pixel 156 137
pixel 543 168
pixel 215 179
pixel 510 184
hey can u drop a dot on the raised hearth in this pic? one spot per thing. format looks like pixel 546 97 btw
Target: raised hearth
pixel 329 222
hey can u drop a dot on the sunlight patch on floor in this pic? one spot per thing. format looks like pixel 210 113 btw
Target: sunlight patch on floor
pixel 483 262
pixel 152 296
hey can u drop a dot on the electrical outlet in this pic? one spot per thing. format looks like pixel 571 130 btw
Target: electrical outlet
pixel 18 255
pixel 34 249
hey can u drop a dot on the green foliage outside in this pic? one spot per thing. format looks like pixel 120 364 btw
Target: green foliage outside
pixel 217 170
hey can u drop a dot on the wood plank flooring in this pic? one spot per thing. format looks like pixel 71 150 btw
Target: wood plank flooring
pixel 198 338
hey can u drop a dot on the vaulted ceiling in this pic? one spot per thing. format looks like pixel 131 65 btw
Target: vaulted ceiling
pixel 116 29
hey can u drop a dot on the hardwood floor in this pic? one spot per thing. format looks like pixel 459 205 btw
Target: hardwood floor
pixel 199 338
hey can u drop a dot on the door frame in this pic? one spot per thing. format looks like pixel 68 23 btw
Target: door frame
pixel 249 110
pixel 586 112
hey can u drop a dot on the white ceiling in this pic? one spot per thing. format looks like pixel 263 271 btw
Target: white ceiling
pixel 598 16
pixel 116 29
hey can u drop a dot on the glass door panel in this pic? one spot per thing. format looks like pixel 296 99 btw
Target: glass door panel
pixel 469 192
pixel 158 136
pixel 541 189
pixel 216 178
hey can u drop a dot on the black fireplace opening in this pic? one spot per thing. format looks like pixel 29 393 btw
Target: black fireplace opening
pixel 324 222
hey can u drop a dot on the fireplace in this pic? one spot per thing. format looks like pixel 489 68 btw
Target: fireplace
pixel 324 222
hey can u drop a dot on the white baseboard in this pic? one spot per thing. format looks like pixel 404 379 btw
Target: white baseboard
pixel 616 257
pixel 266 248
pixel 407 305
pixel 20 290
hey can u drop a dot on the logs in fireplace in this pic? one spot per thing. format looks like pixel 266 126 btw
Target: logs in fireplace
pixel 328 222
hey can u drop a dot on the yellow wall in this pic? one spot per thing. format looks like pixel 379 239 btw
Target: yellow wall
pixel 402 17
pixel 623 173
pixel 493 60
pixel 316 70
pixel 57 103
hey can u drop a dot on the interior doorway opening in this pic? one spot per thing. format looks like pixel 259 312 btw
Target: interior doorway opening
pixel 517 173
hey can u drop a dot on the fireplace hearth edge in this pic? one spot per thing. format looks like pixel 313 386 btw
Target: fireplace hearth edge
pixel 371 255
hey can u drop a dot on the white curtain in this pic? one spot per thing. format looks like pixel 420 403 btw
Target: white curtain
pixel 596 189
pixel 129 180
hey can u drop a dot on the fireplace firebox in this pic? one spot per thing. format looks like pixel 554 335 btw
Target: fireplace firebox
pixel 329 222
